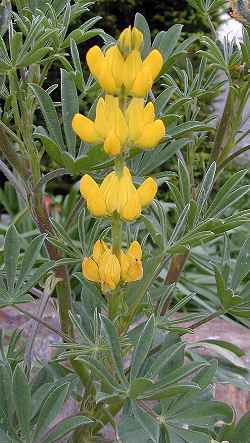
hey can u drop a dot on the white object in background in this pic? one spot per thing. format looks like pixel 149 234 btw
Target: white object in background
pixel 230 28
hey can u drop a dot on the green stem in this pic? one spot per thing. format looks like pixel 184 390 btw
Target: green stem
pixel 116 234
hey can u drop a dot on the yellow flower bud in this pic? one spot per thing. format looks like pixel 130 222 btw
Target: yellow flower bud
pixel 132 210
pixel 110 271
pixel 151 135
pixel 90 270
pixel 96 204
pixel 143 82
pixel 95 60
pixel 132 67
pixel 147 191
pixel 135 250
pixel 88 186
pixel 99 249
pixel 90 191
pixel 85 129
pixel 153 62
pixel 131 266
pixel 136 38
pixel 112 145
pixel 129 40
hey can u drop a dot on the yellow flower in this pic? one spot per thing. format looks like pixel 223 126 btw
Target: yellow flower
pixel 122 65
pixel 131 265
pixel 144 131
pixel 117 194
pixel 130 39
pixel 136 126
pixel 109 270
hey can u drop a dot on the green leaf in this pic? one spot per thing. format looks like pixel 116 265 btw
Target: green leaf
pixel 206 186
pixel 142 24
pixel 15 45
pixel 242 266
pixel 203 413
pixel 22 399
pixel 101 373
pixel 223 351
pixel 180 373
pixel 34 57
pixel 162 393
pixel 70 107
pixel 11 253
pixel 65 427
pixel 241 433
pixel 165 42
pixel 49 113
pixel 30 258
pixel 161 154
pixel 147 422
pixel 164 357
pixel 142 348
pixel 51 407
pixel 138 386
pixel 185 184
pixel 130 431
pixel 6 391
pixel 115 349
pixel 188 436
pixel 35 278
pixel 223 198
pixel 53 149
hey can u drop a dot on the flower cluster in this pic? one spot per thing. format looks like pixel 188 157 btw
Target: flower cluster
pixel 109 269
pixel 121 68
pixel 117 194
pixel 117 130
pixel 122 121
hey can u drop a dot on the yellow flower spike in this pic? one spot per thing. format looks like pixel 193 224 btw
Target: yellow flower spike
pixel 90 270
pixel 112 145
pixel 110 271
pixel 135 250
pixel 85 129
pixel 147 191
pixel 95 60
pixel 151 135
pixel 154 62
pixel 99 249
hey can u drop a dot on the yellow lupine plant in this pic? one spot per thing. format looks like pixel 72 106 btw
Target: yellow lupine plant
pixel 123 121
pixel 108 269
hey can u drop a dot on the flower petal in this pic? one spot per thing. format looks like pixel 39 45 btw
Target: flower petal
pixel 154 62
pixel 152 134
pixel 85 129
pixel 90 270
pixel 147 191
